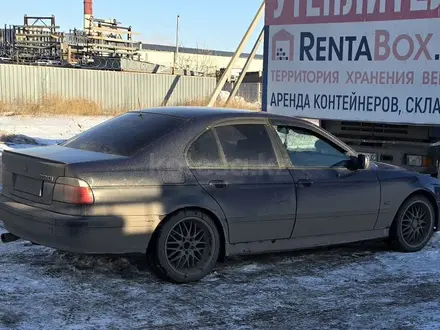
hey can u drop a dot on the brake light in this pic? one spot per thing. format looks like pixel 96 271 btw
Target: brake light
pixel 73 191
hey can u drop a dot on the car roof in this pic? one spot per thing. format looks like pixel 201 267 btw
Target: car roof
pixel 189 112
pixel 206 115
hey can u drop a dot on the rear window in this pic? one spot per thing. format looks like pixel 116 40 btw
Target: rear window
pixel 204 152
pixel 125 135
pixel 247 145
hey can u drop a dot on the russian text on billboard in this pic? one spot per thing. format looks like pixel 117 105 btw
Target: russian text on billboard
pixel 369 60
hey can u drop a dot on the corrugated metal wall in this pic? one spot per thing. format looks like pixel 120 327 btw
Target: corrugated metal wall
pixel 110 89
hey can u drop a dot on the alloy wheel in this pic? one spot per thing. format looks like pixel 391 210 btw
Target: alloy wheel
pixel 189 245
pixel 416 223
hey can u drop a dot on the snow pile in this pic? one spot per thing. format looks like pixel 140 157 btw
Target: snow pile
pixel 24 132
pixel 17 139
pixel 223 96
pixel 237 101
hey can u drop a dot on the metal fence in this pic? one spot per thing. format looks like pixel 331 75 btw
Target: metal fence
pixel 109 89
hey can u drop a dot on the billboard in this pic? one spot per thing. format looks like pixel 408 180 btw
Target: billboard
pixel 360 60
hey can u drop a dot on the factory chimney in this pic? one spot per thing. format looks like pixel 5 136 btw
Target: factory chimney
pixel 88 14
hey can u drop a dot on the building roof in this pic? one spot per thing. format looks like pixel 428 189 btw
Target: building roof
pixel 197 51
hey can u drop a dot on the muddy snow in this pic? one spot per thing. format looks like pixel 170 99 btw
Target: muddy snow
pixel 359 286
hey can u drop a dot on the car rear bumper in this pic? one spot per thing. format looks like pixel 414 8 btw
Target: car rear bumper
pixel 88 235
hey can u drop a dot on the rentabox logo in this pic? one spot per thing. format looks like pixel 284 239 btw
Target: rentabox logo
pixel 381 47
pixel 356 42
pixel 282 46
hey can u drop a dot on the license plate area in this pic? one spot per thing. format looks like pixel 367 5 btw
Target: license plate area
pixel 28 185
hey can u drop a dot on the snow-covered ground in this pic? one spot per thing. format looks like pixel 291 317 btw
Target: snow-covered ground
pixel 25 131
pixel 43 130
pixel 360 286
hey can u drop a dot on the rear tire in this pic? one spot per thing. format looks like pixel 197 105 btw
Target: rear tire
pixel 186 247
pixel 413 226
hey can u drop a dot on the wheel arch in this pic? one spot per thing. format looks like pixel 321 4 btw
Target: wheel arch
pixel 220 224
pixel 431 197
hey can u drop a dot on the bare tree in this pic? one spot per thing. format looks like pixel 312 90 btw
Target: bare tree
pixel 200 61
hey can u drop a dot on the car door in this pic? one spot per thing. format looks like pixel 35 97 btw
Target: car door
pixel 238 166
pixel 331 199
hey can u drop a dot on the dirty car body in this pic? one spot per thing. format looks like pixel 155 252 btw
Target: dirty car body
pixel 191 185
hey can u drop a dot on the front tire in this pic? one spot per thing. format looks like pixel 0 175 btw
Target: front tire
pixel 413 226
pixel 187 247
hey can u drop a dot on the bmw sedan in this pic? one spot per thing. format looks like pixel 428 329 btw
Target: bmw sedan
pixel 190 186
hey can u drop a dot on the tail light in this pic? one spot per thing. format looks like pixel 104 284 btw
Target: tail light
pixel 419 161
pixel 73 191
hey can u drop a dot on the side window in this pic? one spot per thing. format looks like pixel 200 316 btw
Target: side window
pixel 204 152
pixel 247 145
pixel 307 149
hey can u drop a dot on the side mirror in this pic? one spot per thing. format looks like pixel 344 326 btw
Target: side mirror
pixel 363 162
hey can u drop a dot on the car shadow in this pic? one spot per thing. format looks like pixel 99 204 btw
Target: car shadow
pixel 135 267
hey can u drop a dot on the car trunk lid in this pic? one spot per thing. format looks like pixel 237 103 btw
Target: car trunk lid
pixel 30 174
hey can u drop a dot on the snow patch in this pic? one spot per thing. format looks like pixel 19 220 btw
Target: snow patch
pixel 250 268
pixel 17 139
pixel 18 132
pixel 238 100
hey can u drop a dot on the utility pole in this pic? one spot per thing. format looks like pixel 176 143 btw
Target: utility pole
pixel 176 52
pixel 236 55
pixel 246 67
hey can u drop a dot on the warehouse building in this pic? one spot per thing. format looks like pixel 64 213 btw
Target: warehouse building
pixel 199 60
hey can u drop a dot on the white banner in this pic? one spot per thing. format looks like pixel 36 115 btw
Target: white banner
pixel 370 63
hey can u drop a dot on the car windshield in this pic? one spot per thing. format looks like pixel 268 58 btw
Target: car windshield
pixel 125 135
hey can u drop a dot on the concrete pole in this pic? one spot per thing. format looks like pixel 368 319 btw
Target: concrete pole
pixel 236 55
pixel 176 53
pixel 246 67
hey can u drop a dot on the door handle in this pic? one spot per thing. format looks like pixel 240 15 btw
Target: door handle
pixel 345 175
pixel 219 184
pixel 305 182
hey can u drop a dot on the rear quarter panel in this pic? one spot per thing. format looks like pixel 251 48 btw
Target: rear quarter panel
pixel 147 193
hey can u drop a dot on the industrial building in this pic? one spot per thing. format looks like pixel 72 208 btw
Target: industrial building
pixel 199 60
pixel 107 45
